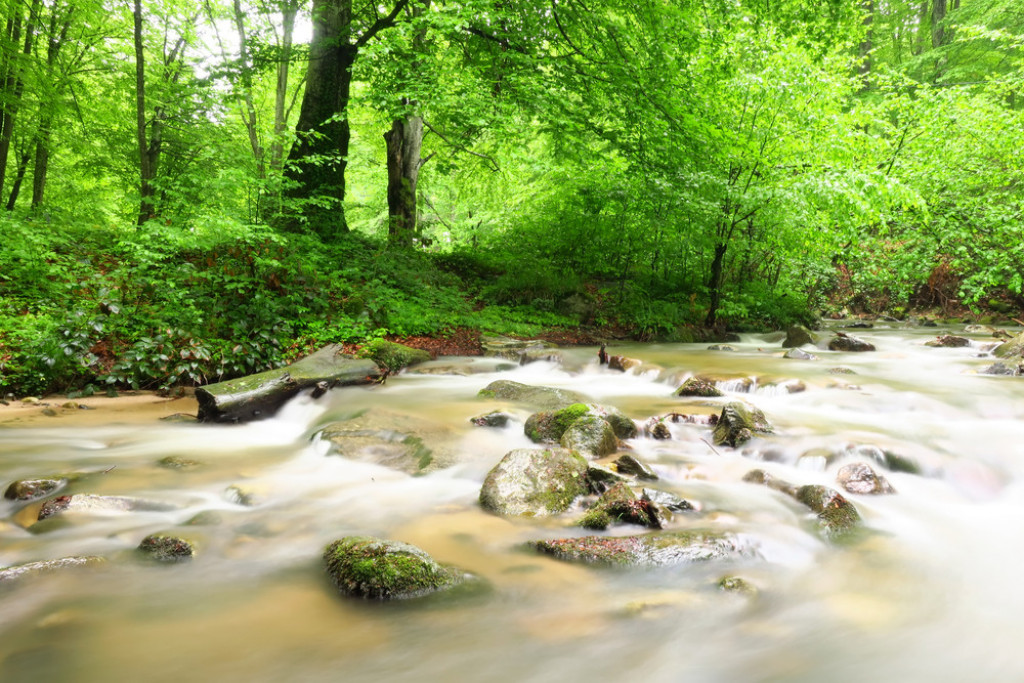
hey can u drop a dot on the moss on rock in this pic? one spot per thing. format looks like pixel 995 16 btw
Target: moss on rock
pixel 545 398
pixel 650 550
pixel 738 423
pixel 535 482
pixel 392 356
pixel 548 426
pixel 590 436
pixel 166 548
pixel 701 387
pixel 377 569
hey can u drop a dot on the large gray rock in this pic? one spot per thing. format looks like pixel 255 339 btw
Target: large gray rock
pixel 846 342
pixel 590 436
pixel 535 483
pixel 737 424
pixel 548 426
pixel 547 398
pixel 377 569
pixel 798 335
pixel 1011 348
pixel 393 439
pixel 649 550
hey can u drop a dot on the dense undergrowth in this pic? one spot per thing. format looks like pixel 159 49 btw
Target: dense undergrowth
pixel 85 308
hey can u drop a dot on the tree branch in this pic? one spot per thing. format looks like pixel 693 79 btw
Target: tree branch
pixel 381 24
pixel 461 148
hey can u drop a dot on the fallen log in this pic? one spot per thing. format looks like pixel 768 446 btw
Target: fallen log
pixel 259 396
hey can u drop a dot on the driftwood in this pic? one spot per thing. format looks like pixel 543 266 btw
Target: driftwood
pixel 259 396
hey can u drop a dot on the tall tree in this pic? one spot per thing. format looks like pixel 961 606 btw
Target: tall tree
pixel 319 156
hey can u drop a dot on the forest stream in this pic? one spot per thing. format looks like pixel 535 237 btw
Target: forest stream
pixel 927 591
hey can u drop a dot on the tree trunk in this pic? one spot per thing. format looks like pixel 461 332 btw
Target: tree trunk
pixel 316 164
pixel 147 170
pixel 42 162
pixel 288 12
pixel 938 17
pixel 260 396
pixel 14 85
pixel 715 284
pixel 404 142
pixel 19 178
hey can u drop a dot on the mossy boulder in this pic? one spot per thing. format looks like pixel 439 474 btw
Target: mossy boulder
pixel 33 489
pixel 837 517
pixel 590 436
pixel 798 335
pixel 699 386
pixel 535 482
pixel 649 550
pixel 166 548
pixel 847 342
pixel 858 477
pixel 620 505
pixel 401 441
pixel 548 426
pixel 545 398
pixel 1011 348
pixel 737 424
pixel 377 569
pixel 392 356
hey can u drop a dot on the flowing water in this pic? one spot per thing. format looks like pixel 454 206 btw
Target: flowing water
pixel 931 592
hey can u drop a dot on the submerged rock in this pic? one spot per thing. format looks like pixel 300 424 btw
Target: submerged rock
pixel 92 503
pixel 591 436
pixel 377 569
pixel 21 571
pixel 860 478
pixel 622 363
pixel 407 443
pixel 798 335
pixel 949 341
pixel 799 354
pixel 650 550
pixel 540 355
pixel 33 489
pixel 736 584
pixel 549 398
pixel 177 462
pixel 535 482
pixel 660 431
pixel 166 548
pixel 634 467
pixel 495 418
pixel 721 347
pixel 738 423
pixel 846 342
pixel 837 517
pixel 1003 369
pixel 700 387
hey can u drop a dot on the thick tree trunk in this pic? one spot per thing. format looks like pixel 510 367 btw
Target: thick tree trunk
pixel 259 396
pixel 316 164
pixel 715 284
pixel 404 142
pixel 938 16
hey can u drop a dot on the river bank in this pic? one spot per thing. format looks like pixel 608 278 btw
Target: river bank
pixel 131 407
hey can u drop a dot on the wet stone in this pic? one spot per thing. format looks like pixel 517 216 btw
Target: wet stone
pixel 949 341
pixel 661 431
pixel 378 569
pixel 666 500
pixel 650 550
pixel 495 418
pixel 535 482
pixel 846 342
pixel 33 489
pixel 166 548
pixel 634 467
pixel 737 424
pixel 860 478
pixel 29 569
pixel 699 387
pixel 799 354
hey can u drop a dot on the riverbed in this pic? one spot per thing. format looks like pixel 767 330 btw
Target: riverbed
pixel 927 592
